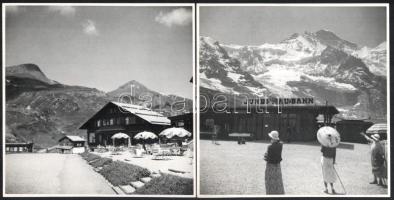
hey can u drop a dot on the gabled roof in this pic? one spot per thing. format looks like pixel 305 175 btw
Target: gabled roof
pixel 73 138
pixel 146 114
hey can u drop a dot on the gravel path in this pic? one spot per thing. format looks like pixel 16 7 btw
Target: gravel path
pixel 52 174
pixel 232 169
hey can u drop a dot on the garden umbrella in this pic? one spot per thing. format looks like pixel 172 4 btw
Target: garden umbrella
pixel 328 136
pixel 145 135
pixel 120 136
pixel 377 128
pixel 175 132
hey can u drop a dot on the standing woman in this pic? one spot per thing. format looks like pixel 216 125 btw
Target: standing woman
pixel 377 159
pixel 328 161
pixel 273 173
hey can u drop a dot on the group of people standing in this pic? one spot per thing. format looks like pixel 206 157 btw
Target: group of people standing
pixel 273 157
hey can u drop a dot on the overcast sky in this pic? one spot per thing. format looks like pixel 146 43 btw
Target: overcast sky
pixel 365 26
pixel 105 47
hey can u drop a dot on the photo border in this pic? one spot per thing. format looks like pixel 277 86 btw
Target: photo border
pixel 387 5
pixel 4 5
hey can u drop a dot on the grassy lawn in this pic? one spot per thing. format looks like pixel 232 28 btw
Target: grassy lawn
pixel 168 184
pixel 230 168
pixel 121 173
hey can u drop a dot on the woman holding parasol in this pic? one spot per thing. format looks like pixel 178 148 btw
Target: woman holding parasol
pixel 329 139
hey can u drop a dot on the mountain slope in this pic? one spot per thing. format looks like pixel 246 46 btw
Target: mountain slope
pixel 42 110
pixel 136 93
pixel 319 65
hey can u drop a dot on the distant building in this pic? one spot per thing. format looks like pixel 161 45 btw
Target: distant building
pixel 117 117
pixel 294 122
pixel 18 147
pixel 184 121
pixel 71 144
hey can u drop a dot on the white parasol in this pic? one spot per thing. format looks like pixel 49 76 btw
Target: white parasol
pixel 145 135
pixel 178 132
pixel 377 129
pixel 328 136
pixel 121 136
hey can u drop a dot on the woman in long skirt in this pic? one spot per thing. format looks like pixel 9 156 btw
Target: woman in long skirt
pixel 327 163
pixel 378 160
pixel 273 172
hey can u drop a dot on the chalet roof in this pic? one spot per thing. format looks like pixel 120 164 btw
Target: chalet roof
pixel 145 113
pixel 73 138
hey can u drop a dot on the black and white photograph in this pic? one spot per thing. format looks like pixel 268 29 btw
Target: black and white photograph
pixel 98 100
pixel 293 100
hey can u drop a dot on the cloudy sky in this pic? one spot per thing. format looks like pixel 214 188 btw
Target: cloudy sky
pixel 365 26
pixel 105 47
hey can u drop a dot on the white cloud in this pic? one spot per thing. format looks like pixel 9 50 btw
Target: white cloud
pixel 179 16
pixel 67 11
pixel 89 27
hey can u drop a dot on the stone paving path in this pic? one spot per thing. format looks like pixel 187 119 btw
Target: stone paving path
pixel 52 174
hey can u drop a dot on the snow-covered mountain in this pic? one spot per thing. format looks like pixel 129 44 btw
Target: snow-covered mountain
pixel 318 64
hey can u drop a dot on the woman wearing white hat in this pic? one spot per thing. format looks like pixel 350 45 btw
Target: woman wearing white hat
pixel 377 159
pixel 273 173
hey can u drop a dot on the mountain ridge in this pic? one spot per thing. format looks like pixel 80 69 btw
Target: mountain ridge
pixel 41 110
pixel 310 64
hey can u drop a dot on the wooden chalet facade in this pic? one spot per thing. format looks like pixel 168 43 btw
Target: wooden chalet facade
pixel 20 147
pixel 117 117
pixel 183 121
pixel 295 123
pixel 71 144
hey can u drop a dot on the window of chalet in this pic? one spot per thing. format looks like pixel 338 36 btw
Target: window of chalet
pixel 119 120
pixel 98 123
pixel 130 120
pixel 180 123
pixel 92 138
pixel 111 121
pixel 133 120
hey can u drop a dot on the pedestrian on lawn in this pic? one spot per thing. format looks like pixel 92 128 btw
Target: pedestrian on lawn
pixel 273 172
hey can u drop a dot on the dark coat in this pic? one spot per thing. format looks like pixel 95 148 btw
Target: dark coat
pixel 274 153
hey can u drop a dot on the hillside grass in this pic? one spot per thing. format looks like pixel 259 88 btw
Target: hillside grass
pixel 121 173
pixel 169 185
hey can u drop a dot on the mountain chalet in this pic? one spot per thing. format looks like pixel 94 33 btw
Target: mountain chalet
pixel 117 117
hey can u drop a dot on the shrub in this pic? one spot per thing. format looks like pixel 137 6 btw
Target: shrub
pixel 121 173
pixel 101 162
pixel 168 184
